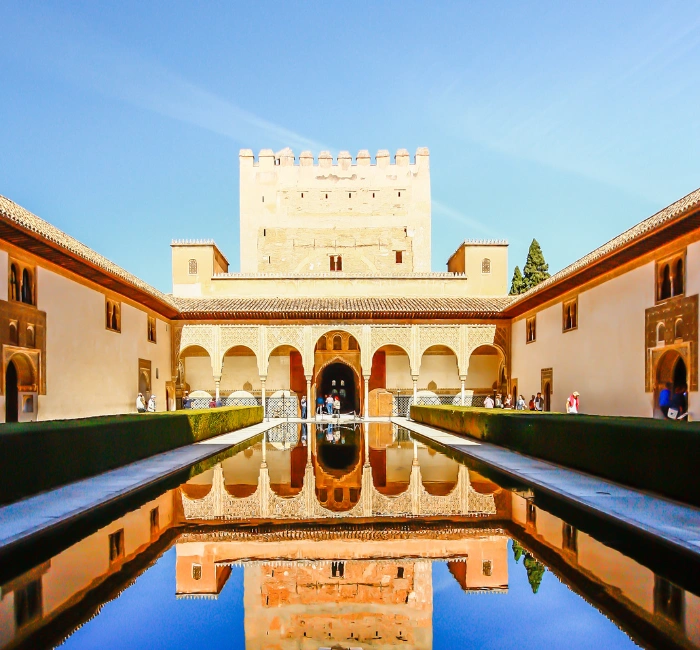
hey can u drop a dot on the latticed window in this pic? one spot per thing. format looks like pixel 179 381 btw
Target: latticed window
pixel 197 571
pixel 192 267
pixel 486 265
pixel 486 567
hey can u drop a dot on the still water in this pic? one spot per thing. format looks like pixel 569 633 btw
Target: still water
pixel 344 537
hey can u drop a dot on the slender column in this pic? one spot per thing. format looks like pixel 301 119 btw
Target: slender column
pixel 262 394
pixel 415 389
pixel 217 384
pixel 309 405
pixel 461 394
pixel 366 397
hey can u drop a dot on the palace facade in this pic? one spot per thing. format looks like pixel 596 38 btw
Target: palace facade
pixel 336 296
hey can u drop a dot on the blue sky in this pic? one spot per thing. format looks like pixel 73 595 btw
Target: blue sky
pixel 121 122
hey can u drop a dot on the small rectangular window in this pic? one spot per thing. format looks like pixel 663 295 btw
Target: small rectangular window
pixel 399 194
pixel 113 321
pixel 570 315
pixel 399 257
pixel 192 267
pixel 336 262
pixel 154 522
pixel 152 329
pixel 530 329
pixel 116 546
pixel 569 538
pixel 486 567
pixel 28 603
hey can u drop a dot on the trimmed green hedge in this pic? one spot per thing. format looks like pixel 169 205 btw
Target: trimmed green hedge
pixel 655 455
pixel 38 456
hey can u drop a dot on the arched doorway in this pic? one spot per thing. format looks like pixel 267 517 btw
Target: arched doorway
pixel 672 370
pixel 338 378
pixel 11 394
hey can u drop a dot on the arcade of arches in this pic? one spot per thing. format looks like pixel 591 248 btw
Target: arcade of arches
pixel 358 363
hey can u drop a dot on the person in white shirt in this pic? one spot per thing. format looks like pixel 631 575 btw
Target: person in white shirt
pixel 572 404
pixel 140 404
pixel 488 402
pixel 152 404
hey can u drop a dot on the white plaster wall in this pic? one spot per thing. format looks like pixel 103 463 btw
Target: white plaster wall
pixel 603 359
pixel 483 371
pixel 398 371
pixel 89 369
pixel 238 370
pixel 440 368
pixel 199 374
pixel 277 374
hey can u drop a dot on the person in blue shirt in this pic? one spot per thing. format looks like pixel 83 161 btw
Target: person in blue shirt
pixel 665 399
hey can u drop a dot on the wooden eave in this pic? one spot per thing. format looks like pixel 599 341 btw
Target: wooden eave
pixel 608 263
pixel 366 316
pixel 37 245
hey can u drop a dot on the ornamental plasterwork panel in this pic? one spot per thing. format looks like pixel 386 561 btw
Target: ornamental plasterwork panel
pixel 447 335
pixel 480 335
pixel 391 335
pixel 205 336
pixel 233 335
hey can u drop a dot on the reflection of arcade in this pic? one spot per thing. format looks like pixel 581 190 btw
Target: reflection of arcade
pixel 330 587
pixel 335 477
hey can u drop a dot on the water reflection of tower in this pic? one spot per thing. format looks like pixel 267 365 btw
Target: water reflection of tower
pixel 339 455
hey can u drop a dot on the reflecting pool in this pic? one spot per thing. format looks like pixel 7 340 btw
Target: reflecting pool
pixel 347 536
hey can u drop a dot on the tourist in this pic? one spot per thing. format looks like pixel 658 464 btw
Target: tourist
pixel 152 404
pixel 665 399
pixel 508 402
pixel 539 402
pixel 531 405
pixel 572 403
pixel 140 404
pixel 319 405
pixel 219 403
pixel 336 406
pixel 498 403
pixel 186 401
pixel 520 404
pixel 303 408
pixel 212 403
pixel 677 407
pixel 488 402
pixel 329 404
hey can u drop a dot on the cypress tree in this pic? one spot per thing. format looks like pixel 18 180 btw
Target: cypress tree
pixel 536 269
pixel 516 285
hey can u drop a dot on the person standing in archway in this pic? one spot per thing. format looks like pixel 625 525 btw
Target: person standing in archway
pixel 336 406
pixel 665 399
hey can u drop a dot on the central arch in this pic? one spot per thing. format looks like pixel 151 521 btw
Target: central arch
pixel 338 377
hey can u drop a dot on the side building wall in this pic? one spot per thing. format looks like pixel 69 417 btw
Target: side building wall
pixel 89 369
pixel 607 358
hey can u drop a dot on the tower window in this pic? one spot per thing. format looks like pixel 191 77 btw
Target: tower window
pixel 302 195
pixel 399 194
pixel 326 195
pixel 349 195
pixel 399 257
pixel 336 262
pixel 399 572
pixel 486 265
pixel 486 567
pixel 192 267
pixel 196 571
pixel 28 603
pixel 372 194
pixel 337 569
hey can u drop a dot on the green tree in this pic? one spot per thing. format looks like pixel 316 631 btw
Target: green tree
pixel 536 269
pixel 535 571
pixel 517 283
pixel 517 550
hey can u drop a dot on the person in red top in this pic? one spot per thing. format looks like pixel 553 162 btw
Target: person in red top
pixel 572 404
pixel 531 405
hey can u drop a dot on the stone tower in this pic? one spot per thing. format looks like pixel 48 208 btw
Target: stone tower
pixel 343 215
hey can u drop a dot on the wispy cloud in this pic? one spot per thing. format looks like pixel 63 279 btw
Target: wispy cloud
pixel 90 60
pixel 442 210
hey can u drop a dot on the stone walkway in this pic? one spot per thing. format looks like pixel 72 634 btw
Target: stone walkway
pixel 669 521
pixel 48 510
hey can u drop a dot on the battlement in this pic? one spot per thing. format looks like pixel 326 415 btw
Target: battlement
pixel 485 242
pixel 286 158
pixel 193 242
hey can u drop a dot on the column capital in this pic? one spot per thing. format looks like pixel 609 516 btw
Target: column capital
pixel 462 378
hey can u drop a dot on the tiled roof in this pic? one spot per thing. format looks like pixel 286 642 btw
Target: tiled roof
pixel 662 218
pixel 338 307
pixel 18 216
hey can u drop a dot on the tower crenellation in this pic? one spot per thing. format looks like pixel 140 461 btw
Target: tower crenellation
pixel 286 158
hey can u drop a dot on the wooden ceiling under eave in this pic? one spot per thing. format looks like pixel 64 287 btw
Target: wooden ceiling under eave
pixel 44 249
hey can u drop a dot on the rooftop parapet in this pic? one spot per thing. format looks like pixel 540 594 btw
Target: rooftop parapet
pixel 286 158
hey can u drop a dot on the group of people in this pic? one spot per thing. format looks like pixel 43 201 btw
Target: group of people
pixel 330 403
pixel 142 406
pixel 673 402
pixel 536 402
